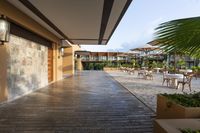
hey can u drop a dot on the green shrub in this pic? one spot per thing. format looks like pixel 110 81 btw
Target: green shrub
pixel 127 65
pixel 154 64
pixel 137 65
pixel 181 63
pixel 189 131
pixel 91 66
pixel 194 68
pixel 160 64
pixel 198 68
pixel 187 100
pixel 171 69
pixel 133 61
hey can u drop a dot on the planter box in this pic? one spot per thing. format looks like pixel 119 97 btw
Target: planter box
pixel 174 125
pixel 110 69
pixel 167 109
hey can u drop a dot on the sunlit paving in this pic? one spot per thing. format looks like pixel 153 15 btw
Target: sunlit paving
pixel 65 106
pixel 146 90
pixel 99 66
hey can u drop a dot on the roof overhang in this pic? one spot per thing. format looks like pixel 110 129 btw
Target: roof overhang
pixel 77 21
pixel 82 52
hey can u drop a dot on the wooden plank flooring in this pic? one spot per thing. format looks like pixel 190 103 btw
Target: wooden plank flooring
pixel 90 102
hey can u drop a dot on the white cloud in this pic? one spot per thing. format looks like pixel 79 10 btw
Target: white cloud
pixel 151 27
pixel 142 38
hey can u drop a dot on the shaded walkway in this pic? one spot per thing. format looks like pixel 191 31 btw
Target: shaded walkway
pixel 88 102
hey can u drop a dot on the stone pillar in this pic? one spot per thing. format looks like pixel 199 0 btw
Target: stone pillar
pixel 79 63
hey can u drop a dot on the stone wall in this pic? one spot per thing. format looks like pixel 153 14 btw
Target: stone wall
pixel 27 67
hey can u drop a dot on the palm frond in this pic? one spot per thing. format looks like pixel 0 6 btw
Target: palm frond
pixel 181 35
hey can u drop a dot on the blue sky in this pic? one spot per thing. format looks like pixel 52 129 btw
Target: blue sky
pixel 142 17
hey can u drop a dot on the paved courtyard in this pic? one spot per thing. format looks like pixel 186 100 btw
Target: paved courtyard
pixel 147 90
pixel 89 102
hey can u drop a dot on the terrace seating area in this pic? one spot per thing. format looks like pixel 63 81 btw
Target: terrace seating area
pixel 141 73
pixel 147 90
pixel 186 80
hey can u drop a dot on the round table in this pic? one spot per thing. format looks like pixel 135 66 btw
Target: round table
pixel 185 71
pixel 174 78
pixel 157 69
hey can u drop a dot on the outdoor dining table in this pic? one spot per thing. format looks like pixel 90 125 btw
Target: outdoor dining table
pixel 144 72
pixel 185 71
pixel 157 69
pixel 174 78
pixel 144 68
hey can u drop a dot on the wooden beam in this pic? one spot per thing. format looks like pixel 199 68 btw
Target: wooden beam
pixel 107 8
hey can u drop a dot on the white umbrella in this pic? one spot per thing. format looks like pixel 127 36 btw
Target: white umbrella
pixel 133 52
pixel 122 55
pixel 146 48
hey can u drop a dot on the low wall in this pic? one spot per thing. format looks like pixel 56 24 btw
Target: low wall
pixel 174 125
pixel 167 109
pixel 110 69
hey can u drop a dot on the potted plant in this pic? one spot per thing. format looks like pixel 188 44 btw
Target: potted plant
pixel 178 106
pixel 188 130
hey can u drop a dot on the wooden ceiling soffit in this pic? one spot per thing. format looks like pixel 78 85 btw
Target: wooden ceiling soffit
pixel 31 7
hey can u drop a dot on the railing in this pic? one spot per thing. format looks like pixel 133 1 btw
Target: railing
pixel 102 58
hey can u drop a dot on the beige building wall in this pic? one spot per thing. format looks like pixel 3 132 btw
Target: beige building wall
pixel 57 63
pixel 69 60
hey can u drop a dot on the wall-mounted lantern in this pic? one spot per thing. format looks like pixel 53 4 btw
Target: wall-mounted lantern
pixel 61 51
pixel 63 44
pixel 4 30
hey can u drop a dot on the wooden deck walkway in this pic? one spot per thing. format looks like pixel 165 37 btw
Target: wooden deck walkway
pixel 90 102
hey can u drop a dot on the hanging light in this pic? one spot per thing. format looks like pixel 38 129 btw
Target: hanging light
pixel 4 30
pixel 63 44
pixel 62 51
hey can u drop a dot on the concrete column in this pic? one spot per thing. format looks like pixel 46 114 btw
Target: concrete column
pixel 4 57
pixel 68 62
pixel 57 63
pixel 79 63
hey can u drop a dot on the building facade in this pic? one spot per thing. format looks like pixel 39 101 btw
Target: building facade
pixel 86 57
pixel 34 56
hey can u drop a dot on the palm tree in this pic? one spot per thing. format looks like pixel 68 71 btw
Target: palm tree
pixel 182 35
